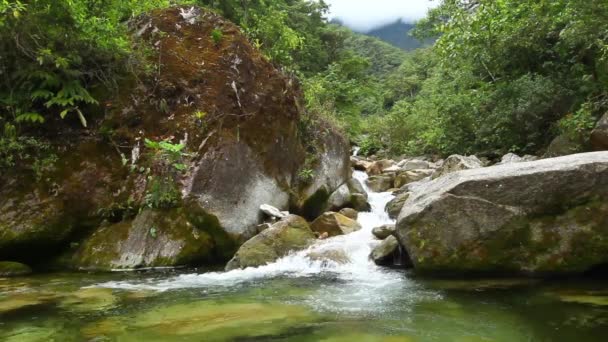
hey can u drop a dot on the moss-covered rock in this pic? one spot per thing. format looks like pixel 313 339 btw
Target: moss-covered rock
pixel 13 269
pixel 288 235
pixel 543 217
pixel 154 238
pixel 334 224
pixel 380 183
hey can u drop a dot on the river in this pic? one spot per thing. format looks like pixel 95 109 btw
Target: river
pixel 296 299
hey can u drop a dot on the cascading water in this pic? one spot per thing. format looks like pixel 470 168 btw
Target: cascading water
pixel 356 285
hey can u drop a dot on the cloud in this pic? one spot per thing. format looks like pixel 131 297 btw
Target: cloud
pixel 365 15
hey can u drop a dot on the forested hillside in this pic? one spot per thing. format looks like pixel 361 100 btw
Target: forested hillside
pixel 397 34
pixel 502 76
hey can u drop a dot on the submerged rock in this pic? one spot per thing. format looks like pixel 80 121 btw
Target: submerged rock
pixel 337 256
pixel 457 163
pixel 334 224
pixel 291 234
pixel 543 217
pixel 13 269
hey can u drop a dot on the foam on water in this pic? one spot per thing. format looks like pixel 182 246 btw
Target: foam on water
pixel 356 286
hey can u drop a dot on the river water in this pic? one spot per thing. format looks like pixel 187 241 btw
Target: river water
pixel 298 299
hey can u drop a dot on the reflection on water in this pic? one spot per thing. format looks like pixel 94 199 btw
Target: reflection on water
pixel 299 299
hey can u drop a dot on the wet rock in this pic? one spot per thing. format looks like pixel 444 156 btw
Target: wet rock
pixel 411 176
pixel 599 136
pixel 394 206
pixel 360 164
pixel 384 231
pixel 339 198
pixel 359 202
pixel 13 269
pixel 457 163
pixel 272 212
pixel 155 238
pixel 377 167
pixel 334 224
pixel 379 183
pixel 289 235
pixel 350 213
pixel 337 256
pixel 543 217
pixel 384 253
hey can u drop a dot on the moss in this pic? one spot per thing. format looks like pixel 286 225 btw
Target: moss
pixel 12 269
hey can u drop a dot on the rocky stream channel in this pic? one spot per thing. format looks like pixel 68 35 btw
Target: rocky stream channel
pixel 330 291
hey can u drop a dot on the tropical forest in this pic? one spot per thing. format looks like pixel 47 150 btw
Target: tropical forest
pixel 304 170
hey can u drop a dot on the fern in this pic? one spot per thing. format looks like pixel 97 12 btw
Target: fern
pixel 30 117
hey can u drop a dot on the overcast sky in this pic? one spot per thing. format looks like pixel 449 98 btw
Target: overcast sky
pixel 364 15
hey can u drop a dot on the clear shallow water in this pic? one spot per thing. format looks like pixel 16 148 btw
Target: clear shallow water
pixel 296 299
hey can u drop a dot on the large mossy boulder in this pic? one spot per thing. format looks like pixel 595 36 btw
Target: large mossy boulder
pixel 13 269
pixel 155 238
pixel 288 235
pixel 543 217
pixel 237 120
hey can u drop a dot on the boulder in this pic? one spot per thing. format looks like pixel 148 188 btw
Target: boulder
pixel 377 167
pixel 394 206
pixel 350 213
pixel 288 235
pixel 13 269
pixel 339 198
pixel 457 163
pixel 359 202
pixel 414 164
pixel 562 145
pixel 599 135
pixel 239 120
pixel 544 217
pixel 272 212
pixel 155 238
pixel 411 176
pixel 359 164
pixel 379 183
pixel 384 253
pixel 384 231
pixel 334 224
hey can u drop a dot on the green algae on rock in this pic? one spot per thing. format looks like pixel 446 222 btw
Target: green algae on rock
pixel 288 235
pixel 13 269
pixel 155 238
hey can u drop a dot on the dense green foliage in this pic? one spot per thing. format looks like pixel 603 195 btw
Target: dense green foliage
pixel 503 75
